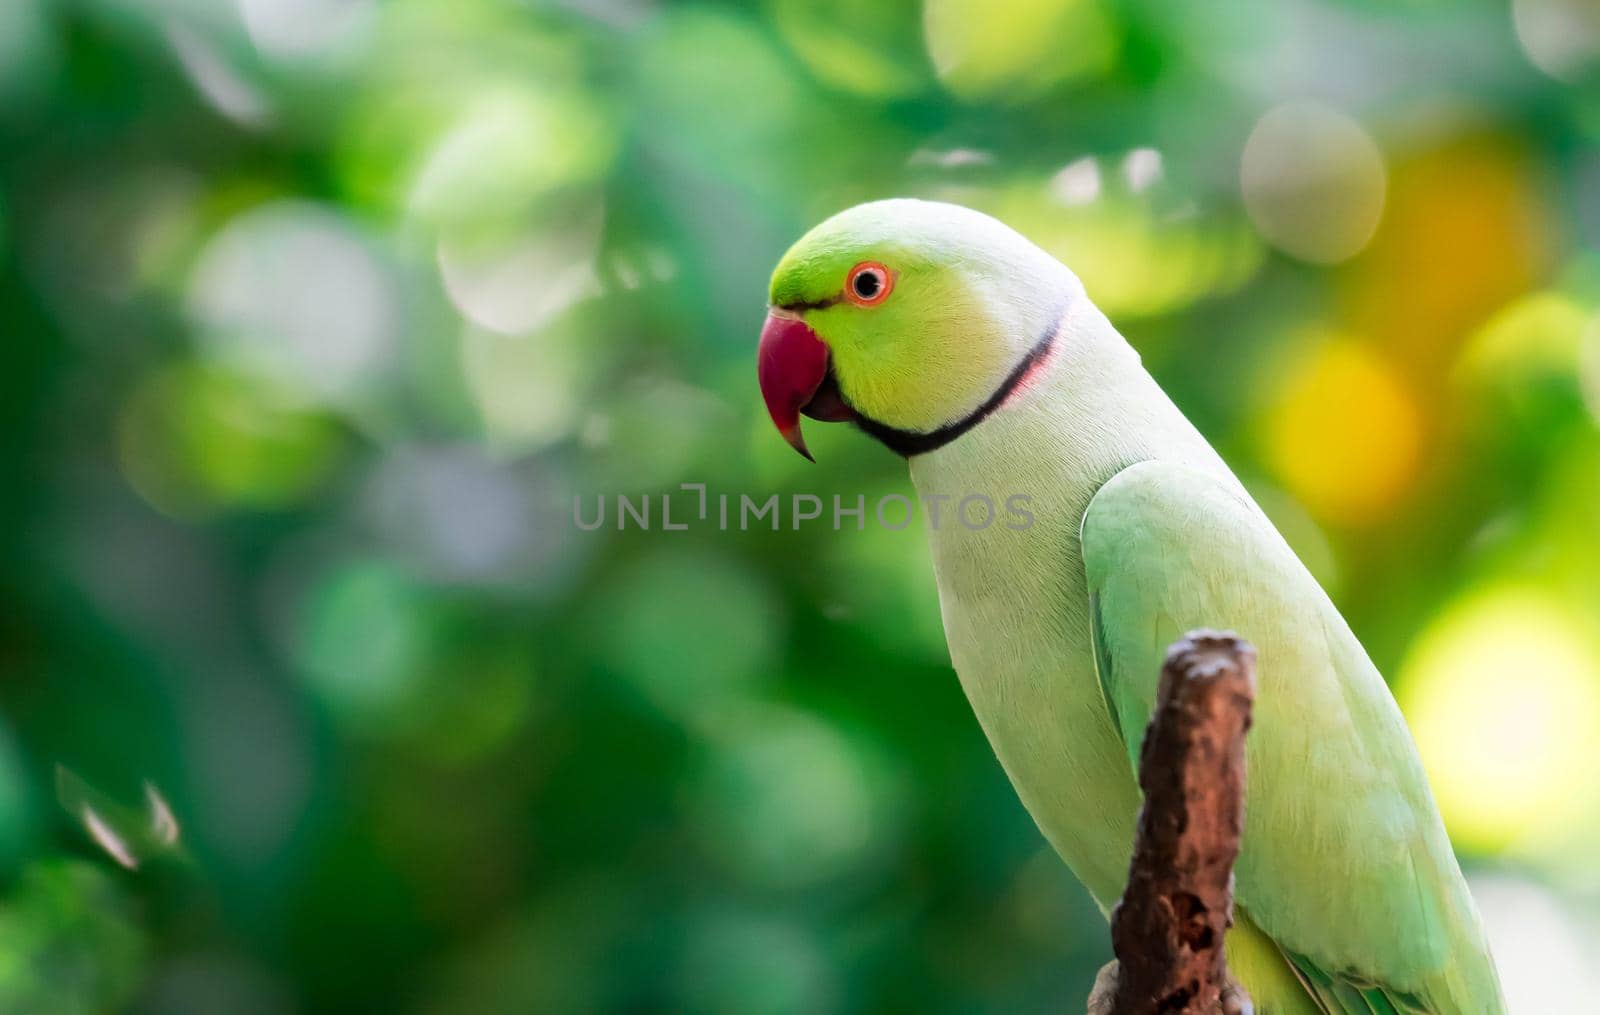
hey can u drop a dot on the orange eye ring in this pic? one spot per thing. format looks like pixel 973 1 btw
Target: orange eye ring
pixel 869 284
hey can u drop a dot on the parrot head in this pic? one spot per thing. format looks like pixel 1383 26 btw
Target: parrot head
pixel 912 319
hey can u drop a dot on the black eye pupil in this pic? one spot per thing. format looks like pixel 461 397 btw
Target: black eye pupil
pixel 867 284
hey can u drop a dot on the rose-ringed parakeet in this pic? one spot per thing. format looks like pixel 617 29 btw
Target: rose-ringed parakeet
pixel 959 344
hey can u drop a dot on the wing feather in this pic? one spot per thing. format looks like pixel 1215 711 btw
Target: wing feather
pixel 1344 862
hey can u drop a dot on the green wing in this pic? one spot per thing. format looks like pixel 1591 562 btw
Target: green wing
pixel 1344 863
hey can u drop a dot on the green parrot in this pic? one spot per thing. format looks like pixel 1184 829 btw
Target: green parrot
pixel 978 357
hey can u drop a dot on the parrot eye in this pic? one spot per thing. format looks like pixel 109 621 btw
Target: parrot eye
pixel 868 284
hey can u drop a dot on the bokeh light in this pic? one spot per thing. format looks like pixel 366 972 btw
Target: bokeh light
pixel 1503 694
pixel 688 632
pixel 294 30
pixel 516 284
pixel 509 147
pixel 1313 182
pixel 1524 367
pixel 1014 49
pixel 787 801
pixel 457 514
pixel 294 292
pixel 1465 229
pixel 1561 37
pixel 195 438
pixel 361 648
pixel 1343 433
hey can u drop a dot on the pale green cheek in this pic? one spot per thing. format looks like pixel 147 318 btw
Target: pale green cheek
pixel 899 397
pixel 915 385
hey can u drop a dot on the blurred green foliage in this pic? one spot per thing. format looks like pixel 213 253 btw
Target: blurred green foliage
pixel 316 317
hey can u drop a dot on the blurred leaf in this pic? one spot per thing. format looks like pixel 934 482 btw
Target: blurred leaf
pixel 68 943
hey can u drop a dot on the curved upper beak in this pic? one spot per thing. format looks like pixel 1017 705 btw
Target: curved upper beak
pixel 792 366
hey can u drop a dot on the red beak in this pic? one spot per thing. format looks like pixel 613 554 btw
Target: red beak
pixel 792 366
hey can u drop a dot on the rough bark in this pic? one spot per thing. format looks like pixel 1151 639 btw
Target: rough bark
pixel 1168 930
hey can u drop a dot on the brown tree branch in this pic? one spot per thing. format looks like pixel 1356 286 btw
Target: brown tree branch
pixel 1168 930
